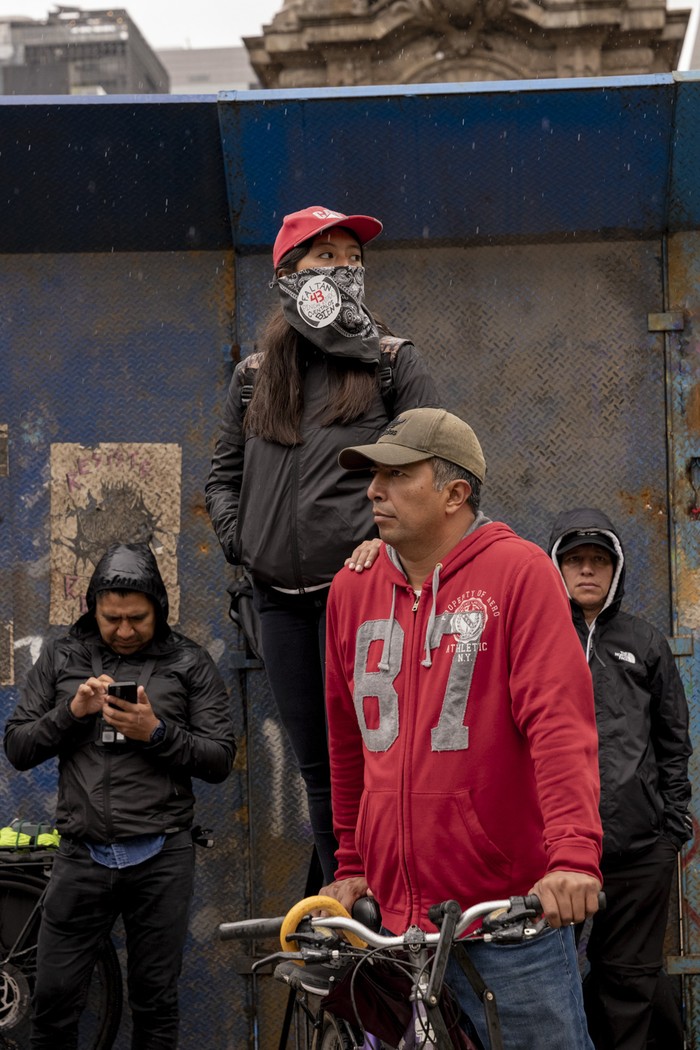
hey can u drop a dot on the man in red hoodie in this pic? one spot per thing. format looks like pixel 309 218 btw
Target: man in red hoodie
pixel 462 729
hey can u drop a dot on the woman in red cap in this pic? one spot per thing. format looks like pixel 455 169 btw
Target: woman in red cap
pixel 327 375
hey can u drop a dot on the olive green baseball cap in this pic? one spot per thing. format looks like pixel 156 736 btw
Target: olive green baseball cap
pixel 420 433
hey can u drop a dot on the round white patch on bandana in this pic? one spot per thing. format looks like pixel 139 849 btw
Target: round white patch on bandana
pixel 318 301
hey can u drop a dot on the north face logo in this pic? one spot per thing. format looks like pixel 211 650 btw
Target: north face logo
pixel 627 657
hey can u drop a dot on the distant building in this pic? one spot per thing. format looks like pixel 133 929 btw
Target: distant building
pixel 76 52
pixel 208 70
pixel 331 43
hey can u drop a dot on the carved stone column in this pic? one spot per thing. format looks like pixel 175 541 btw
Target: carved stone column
pixel 329 43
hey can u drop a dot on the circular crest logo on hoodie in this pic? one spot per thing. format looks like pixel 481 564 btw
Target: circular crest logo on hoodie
pixel 319 301
pixel 469 620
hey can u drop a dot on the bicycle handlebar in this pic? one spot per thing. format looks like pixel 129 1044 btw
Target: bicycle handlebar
pixel 529 904
pixel 250 929
pixel 378 940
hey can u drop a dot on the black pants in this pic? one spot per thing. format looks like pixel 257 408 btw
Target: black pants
pixel 81 906
pixel 294 649
pixel 625 948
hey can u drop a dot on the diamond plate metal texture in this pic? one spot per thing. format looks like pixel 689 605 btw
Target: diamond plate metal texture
pixel 545 351
pixel 127 348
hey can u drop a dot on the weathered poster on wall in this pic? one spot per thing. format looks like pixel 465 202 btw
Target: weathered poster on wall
pixel 110 493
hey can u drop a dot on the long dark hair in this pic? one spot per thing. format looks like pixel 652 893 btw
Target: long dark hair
pixel 277 405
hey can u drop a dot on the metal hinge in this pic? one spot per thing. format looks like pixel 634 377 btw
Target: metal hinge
pixel 681 644
pixel 670 321
pixel 683 964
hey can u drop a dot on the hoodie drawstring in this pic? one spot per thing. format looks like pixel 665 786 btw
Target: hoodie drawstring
pixel 427 661
pixel 386 648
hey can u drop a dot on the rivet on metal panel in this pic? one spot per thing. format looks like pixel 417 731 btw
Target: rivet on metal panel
pixel 670 321
pixel 7 652
pixel 4 460
pixel 694 477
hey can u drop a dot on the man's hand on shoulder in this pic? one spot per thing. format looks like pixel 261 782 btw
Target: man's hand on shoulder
pixel 567 896
pixel 347 891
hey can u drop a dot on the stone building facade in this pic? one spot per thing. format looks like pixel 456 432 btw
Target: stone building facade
pixel 324 43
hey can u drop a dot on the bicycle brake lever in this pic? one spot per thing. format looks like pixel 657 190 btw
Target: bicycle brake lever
pixel 330 937
pixel 275 957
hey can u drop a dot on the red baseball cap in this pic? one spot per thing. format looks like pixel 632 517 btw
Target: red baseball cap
pixel 301 225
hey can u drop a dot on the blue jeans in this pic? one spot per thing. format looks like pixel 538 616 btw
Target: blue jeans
pixel 538 992
pixel 81 906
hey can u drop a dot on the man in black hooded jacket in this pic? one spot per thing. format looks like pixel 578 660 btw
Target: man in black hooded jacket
pixel 642 718
pixel 125 800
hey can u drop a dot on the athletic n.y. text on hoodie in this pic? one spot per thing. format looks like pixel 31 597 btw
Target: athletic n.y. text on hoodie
pixel 462 729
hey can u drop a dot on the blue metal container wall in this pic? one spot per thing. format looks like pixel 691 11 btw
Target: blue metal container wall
pixel 684 432
pixel 462 163
pixel 577 413
pixel 129 348
pixel 524 248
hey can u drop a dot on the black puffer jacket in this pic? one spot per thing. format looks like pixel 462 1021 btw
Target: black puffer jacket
pixel 641 712
pixel 109 794
pixel 292 515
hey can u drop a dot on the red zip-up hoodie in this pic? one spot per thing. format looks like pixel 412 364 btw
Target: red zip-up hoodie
pixel 462 728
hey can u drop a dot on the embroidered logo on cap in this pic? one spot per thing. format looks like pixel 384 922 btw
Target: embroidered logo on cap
pixel 318 301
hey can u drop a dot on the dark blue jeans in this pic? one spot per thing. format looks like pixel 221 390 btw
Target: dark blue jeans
pixel 81 906
pixel 538 992
pixel 294 648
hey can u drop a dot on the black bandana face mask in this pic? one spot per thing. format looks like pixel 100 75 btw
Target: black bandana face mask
pixel 326 306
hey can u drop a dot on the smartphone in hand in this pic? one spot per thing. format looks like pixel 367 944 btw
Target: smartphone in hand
pixel 123 691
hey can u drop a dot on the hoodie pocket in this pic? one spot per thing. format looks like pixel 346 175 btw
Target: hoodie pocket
pixel 482 845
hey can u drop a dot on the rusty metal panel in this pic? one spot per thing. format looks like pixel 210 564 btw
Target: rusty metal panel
pixel 524 254
pixel 683 276
pixel 128 353
pixel 545 350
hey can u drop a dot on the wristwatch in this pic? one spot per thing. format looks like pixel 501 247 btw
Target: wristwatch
pixel 158 733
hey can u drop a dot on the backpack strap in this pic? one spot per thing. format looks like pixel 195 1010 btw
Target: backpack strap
pixel 389 346
pixel 247 377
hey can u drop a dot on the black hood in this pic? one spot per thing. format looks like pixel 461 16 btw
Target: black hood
pixel 127 567
pixel 590 519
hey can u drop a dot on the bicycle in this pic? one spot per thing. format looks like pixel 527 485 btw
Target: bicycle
pixel 24 877
pixel 330 962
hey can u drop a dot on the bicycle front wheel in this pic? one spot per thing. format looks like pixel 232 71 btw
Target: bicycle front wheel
pixel 338 1035
pixel 20 901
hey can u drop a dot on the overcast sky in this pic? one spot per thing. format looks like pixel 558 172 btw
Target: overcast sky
pixel 175 23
